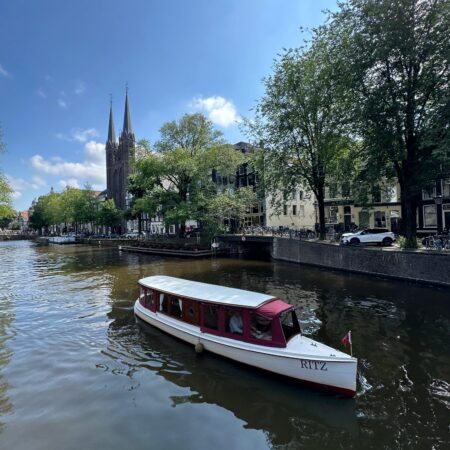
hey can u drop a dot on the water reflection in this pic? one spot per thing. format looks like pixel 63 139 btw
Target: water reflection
pixel 73 360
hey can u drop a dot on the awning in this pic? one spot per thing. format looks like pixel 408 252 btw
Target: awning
pixel 273 308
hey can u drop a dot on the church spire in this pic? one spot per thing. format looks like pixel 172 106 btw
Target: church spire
pixel 127 117
pixel 111 130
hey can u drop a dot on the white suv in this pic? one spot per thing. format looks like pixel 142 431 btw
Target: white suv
pixel 380 236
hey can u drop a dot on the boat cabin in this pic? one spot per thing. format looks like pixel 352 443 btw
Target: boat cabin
pixel 228 312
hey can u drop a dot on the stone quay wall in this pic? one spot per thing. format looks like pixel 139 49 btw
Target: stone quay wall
pixel 419 266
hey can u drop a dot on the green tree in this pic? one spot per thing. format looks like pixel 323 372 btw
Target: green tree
pixel 176 179
pixel 6 210
pixel 108 214
pixel 231 208
pixel 393 61
pixel 299 126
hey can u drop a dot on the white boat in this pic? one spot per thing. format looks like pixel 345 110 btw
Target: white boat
pixel 252 328
pixel 62 240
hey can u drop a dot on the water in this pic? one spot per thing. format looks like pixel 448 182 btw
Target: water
pixel 77 371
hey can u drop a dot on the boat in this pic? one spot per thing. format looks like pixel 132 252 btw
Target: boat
pixel 256 329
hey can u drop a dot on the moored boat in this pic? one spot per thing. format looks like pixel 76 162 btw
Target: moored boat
pixel 252 328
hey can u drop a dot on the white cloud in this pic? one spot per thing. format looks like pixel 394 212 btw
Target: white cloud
pixel 219 110
pixel 95 152
pixel 37 182
pixel 4 72
pixel 80 88
pixel 71 182
pixel 19 185
pixel 92 169
pixel 78 134
pixel 41 93
pixel 62 103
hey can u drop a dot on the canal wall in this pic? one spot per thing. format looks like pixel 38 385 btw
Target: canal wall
pixel 424 267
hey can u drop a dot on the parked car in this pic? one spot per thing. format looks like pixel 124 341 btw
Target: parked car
pixel 131 235
pixel 380 236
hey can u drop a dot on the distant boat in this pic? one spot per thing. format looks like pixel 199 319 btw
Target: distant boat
pixel 62 240
pixel 252 328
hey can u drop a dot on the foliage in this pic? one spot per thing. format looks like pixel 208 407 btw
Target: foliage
pixel 405 243
pixel 108 214
pixel 231 207
pixel 176 180
pixel 299 125
pixel 392 57
pixel 6 209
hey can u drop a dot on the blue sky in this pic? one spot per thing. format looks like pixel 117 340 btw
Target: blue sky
pixel 60 61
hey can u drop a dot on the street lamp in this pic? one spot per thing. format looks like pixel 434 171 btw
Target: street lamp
pixel 438 202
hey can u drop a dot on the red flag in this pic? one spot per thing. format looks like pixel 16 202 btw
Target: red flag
pixel 347 339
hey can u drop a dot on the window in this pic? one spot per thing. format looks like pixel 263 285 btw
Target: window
pixel 171 229
pixel 380 219
pixel 300 195
pixel 142 296
pixel 332 190
pixel 176 306
pixel 429 216
pixel 163 307
pixel 289 324
pixel 285 210
pixel 301 211
pixel 234 321
pixel 346 189
pixel 294 210
pixel 429 193
pixel 445 188
pixel 376 194
pixel 150 302
pixel 211 316
pixel 260 327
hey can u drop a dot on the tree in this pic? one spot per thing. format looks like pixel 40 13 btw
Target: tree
pixel 230 207
pixel 108 214
pixel 299 125
pixel 393 60
pixel 6 210
pixel 176 179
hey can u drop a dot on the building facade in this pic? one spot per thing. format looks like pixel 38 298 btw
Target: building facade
pixel 433 213
pixel 382 211
pixel 119 157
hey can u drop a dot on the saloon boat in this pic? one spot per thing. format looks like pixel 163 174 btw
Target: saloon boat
pixel 252 328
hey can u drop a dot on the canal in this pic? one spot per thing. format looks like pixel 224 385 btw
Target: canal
pixel 77 371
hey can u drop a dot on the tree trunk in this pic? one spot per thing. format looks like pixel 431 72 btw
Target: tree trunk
pixel 321 207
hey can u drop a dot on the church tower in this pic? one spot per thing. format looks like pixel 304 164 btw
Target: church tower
pixel 119 158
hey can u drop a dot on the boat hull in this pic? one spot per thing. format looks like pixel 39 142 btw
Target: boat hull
pixel 336 374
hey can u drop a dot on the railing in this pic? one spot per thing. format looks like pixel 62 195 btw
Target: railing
pixel 437 242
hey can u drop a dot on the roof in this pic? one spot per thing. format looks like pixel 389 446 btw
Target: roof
pixel 205 292
pixel 274 308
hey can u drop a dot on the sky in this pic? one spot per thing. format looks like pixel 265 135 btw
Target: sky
pixel 60 62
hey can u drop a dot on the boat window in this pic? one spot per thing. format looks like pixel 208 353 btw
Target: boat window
pixel 190 311
pixel 163 303
pixel 175 307
pixel 260 327
pixel 290 325
pixel 233 321
pixel 211 316
pixel 150 301
pixel 142 296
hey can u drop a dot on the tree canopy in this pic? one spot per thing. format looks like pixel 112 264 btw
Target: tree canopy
pixel 299 125
pixel 393 59
pixel 175 180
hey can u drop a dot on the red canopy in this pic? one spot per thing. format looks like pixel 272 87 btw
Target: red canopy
pixel 273 308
